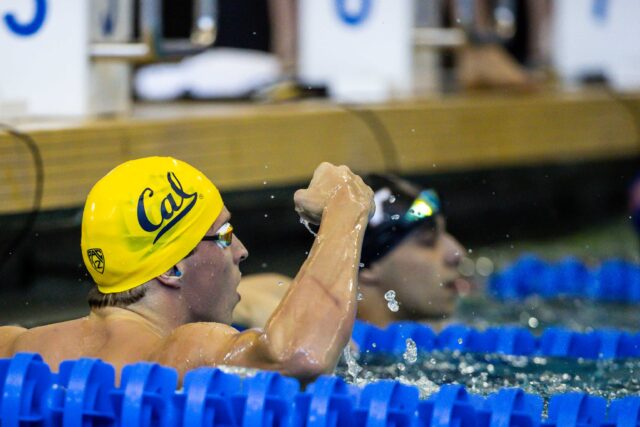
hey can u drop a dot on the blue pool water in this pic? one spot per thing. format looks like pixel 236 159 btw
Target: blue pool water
pixel 487 373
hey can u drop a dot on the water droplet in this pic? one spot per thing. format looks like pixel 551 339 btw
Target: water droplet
pixel 393 306
pixel 484 266
pixel 459 340
pixel 272 196
pixel 359 297
pixel 467 267
pixel 353 368
pixel 533 322
pixel 264 182
pixel 308 227
pixel 266 215
pixel 395 217
pixel 265 265
pixel 392 199
pixel 390 295
pixel 280 283
pixel 411 353
pixel 361 265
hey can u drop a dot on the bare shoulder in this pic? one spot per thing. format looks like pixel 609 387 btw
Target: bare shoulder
pixel 55 341
pixel 8 337
pixel 200 330
pixel 194 345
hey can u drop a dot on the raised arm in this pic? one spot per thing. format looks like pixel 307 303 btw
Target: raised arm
pixel 313 323
pixel 308 330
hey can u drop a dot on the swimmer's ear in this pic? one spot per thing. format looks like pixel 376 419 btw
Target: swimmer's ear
pixel 172 277
pixel 368 277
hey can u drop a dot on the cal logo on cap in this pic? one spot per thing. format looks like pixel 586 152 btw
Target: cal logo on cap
pixel 171 208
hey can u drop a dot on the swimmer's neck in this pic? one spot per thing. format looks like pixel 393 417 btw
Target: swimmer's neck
pixel 158 314
pixel 110 314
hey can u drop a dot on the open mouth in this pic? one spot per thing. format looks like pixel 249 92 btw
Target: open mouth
pixel 460 286
pixel 450 287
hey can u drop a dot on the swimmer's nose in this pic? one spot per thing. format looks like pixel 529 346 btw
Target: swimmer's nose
pixel 241 253
pixel 454 251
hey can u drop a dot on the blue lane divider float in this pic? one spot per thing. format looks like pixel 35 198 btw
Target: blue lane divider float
pixel 84 394
pixel 613 280
pixel 508 340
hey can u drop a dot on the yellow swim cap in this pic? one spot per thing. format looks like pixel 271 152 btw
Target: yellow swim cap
pixel 142 218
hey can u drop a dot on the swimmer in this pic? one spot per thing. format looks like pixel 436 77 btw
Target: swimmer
pixel 406 249
pixel 159 244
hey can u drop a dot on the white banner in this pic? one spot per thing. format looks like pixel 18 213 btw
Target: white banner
pixel 44 54
pixel 360 49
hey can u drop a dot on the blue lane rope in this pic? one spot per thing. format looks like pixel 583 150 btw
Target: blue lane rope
pixel 614 280
pixel 507 340
pixel 84 394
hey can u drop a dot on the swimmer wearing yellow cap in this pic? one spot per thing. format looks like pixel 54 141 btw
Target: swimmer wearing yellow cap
pixel 157 241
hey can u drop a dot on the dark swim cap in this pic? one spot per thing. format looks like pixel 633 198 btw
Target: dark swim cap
pixel 401 207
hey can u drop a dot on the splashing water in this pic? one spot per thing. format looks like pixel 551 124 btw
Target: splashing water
pixel 487 373
pixel 359 297
pixel 308 227
pixel 411 353
pixel 353 369
pixel 392 304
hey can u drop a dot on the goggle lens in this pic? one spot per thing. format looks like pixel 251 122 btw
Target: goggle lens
pixel 224 236
pixel 427 204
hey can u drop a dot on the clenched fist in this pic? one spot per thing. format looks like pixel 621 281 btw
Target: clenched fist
pixel 327 181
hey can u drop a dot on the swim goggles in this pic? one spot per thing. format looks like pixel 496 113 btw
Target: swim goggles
pixel 383 237
pixel 223 237
pixel 426 205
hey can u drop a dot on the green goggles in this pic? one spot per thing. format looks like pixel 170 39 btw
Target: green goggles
pixel 382 238
pixel 426 205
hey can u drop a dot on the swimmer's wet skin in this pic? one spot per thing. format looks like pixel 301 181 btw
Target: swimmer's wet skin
pixel 155 237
